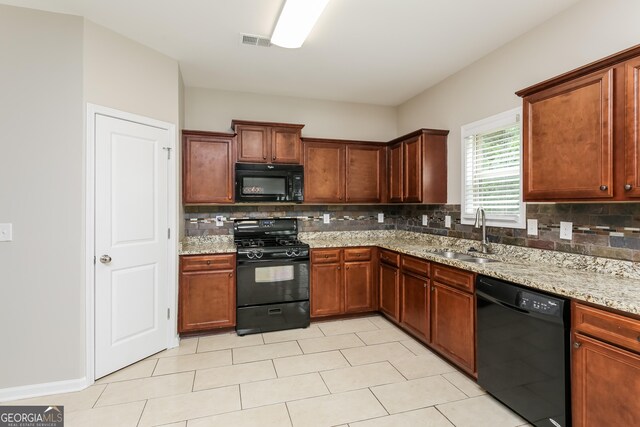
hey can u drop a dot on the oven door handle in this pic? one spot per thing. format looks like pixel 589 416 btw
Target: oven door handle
pixel 284 261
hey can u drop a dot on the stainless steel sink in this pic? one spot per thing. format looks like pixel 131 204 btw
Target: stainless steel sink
pixel 451 255
pixel 478 260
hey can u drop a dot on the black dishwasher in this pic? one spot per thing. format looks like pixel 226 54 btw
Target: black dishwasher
pixel 523 350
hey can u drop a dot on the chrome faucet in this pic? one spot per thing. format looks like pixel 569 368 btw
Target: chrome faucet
pixel 481 218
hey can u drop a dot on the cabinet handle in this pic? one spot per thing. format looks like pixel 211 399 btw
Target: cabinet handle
pixel 627 187
pixel 603 188
pixel 577 344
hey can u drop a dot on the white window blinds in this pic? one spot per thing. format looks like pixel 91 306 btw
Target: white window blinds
pixel 492 170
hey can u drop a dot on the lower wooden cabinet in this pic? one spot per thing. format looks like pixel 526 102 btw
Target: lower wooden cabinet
pixel 342 281
pixel 389 284
pixel 207 294
pixel 415 305
pixel 605 368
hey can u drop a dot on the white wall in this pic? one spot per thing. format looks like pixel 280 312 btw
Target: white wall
pixel 41 191
pixel 588 31
pixel 213 110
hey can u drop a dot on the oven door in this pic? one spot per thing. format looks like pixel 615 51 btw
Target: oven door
pixel 272 281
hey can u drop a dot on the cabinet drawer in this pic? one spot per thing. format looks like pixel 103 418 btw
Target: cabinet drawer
pixel 610 327
pixel 357 254
pixel 415 265
pixel 208 262
pixel 319 256
pixel 453 277
pixel 390 257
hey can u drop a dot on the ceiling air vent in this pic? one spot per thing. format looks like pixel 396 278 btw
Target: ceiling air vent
pixel 253 40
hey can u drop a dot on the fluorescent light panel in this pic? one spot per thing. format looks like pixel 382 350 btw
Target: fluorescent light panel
pixel 296 21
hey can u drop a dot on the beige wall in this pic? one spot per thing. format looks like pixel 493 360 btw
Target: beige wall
pixel 588 31
pixel 41 193
pixel 207 109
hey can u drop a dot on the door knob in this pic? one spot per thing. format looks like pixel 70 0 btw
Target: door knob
pixel 105 259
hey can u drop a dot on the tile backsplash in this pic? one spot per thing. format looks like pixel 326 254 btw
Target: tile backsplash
pixel 610 230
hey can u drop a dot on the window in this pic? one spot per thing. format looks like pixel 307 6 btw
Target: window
pixel 491 169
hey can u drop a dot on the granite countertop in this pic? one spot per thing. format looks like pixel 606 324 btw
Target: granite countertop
pixel 606 282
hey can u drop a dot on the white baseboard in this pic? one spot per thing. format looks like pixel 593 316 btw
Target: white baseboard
pixel 35 390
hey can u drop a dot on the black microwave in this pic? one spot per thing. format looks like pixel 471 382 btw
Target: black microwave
pixel 269 183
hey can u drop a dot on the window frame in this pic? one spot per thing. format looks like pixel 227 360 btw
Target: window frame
pixel 487 124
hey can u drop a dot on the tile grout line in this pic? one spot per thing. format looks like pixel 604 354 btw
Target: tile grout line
pixel 99 396
pixel 381 404
pixel 143 408
pixel 286 405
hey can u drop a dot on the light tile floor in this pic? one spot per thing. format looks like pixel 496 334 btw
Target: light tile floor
pixel 362 372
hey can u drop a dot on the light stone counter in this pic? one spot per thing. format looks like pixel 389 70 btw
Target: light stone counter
pixel 204 245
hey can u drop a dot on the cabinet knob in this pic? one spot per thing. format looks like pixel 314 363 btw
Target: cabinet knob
pixel 338 268
pixel 264 157
pixel 208 262
pixel 638 338
pixel 627 187
pixel 326 256
pixel 274 157
pixel 230 274
pixel 603 188
pixel 577 344
pixel 357 254
pixel 425 285
pixel 339 197
pixel 345 267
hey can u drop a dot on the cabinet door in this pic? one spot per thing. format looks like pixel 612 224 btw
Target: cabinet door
pixel 207 172
pixel 253 143
pixel 207 300
pixel 412 159
pixel 415 304
pixel 358 287
pixel 365 173
pixel 605 384
pixel 631 185
pixel 453 325
pixel 389 290
pixel 285 145
pixel 568 140
pixel 396 179
pixel 326 289
pixel 323 172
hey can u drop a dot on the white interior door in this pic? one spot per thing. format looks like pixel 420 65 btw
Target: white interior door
pixel 131 242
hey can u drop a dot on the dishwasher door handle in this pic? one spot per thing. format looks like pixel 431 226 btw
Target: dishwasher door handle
pixel 502 303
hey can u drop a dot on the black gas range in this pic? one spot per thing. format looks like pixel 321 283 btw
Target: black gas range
pixel 272 279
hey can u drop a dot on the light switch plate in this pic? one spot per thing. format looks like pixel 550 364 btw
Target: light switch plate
pixel 380 217
pixel 219 220
pixel 425 220
pixel 532 227
pixel 447 221
pixel 6 232
pixel 566 230
pixel 326 218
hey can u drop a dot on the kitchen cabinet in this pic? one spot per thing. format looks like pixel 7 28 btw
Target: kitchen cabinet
pixel 389 284
pixel 453 315
pixel 581 133
pixel 207 167
pixel 338 171
pixel 207 292
pixel 414 312
pixel 262 142
pixel 342 281
pixel 605 368
pixel 418 167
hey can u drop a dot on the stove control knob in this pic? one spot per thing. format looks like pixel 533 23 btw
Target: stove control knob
pixel 259 254
pixel 251 255
pixel 296 252
pixel 289 252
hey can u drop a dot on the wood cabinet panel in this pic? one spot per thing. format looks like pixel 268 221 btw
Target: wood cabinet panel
pixel 415 265
pixel 412 186
pixel 389 290
pixel 390 257
pixel 265 142
pixel 326 289
pixel 453 325
pixel 324 171
pixel 207 168
pixel 568 140
pixel 325 256
pixel 415 305
pixel 285 145
pixel 606 326
pixel 605 384
pixel 631 184
pixel 396 174
pixel 365 173
pixel 253 143
pixel 358 287
pixel 207 297
pixel 358 254
pixel 452 276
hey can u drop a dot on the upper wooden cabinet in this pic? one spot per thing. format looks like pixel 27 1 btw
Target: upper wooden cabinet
pixel 263 142
pixel 338 171
pixel 418 167
pixel 581 133
pixel 207 167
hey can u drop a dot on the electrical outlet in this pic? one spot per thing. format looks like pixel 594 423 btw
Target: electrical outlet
pixel 566 230
pixel 219 220
pixel 425 220
pixel 447 221
pixel 532 227
pixel 326 218
pixel 6 232
pixel 380 217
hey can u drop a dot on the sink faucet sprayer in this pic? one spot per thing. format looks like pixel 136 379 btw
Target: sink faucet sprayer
pixel 481 218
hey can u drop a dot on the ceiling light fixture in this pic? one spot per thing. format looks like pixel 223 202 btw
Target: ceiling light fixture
pixel 296 21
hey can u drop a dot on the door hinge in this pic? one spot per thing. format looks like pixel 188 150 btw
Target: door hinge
pixel 168 313
pixel 168 233
pixel 168 152
pixel 94 259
